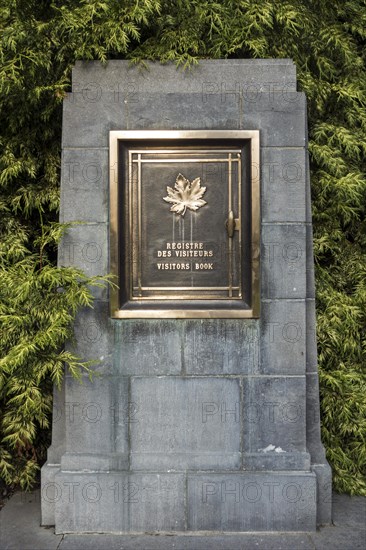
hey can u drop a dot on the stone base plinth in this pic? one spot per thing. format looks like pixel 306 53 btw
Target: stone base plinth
pixel 128 502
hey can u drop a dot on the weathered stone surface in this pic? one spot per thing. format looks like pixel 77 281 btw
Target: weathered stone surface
pixel 48 473
pixel 211 78
pixel 97 414
pixel 86 247
pixel 283 172
pixel 54 455
pixel 310 277
pixel 281 121
pixel 313 440
pixel 283 333
pixel 216 396
pixel 93 337
pixel 252 502
pixel 311 346
pixel 84 185
pixel 88 125
pixel 274 415
pixel 324 492
pixel 119 502
pixel 58 446
pixel 88 119
pixel 283 261
pixel 280 118
pixel 185 423
pixel 221 346
pixel 94 462
pixel 147 347
pixel 183 112
pixel 276 461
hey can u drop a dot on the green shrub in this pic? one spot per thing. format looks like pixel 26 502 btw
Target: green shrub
pixel 40 41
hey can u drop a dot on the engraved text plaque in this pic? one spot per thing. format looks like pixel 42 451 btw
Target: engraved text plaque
pixel 185 223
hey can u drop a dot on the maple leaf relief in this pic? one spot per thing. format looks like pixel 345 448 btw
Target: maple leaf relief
pixel 185 195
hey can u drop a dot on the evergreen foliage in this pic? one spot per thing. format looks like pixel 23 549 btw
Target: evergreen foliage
pixel 40 41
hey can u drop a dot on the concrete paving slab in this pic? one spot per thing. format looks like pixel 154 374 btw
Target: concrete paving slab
pixel 349 511
pixel 268 541
pixel 20 521
pixel 338 538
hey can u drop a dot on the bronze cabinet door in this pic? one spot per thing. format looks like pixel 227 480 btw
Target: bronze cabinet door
pixel 185 223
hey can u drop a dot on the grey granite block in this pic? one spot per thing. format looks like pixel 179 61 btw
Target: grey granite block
pixel 281 120
pixel 209 77
pixel 156 502
pixel 221 346
pixel 274 415
pixel 182 112
pixel 54 454
pixel 310 274
pixel 58 446
pixel 283 261
pixel 308 191
pixel 150 347
pixel 119 502
pixel 186 423
pixel 48 473
pixel 89 125
pixel 262 462
pixel 313 435
pixel 291 101
pixel 94 462
pixel 252 502
pixel 283 337
pixel 97 414
pixel 311 342
pixel 84 185
pixel 93 337
pixel 87 121
pixel 324 492
pixel 283 184
pixel 85 247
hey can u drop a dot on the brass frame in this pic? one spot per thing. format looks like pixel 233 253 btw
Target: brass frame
pixel 182 312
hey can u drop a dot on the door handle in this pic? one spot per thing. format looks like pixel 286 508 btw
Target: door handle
pixel 232 224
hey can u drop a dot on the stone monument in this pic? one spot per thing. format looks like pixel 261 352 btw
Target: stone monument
pixel 193 189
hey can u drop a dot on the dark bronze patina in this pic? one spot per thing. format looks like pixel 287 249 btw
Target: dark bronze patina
pixel 185 223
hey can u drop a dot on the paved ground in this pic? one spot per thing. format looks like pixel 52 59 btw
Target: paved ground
pixel 20 530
